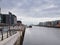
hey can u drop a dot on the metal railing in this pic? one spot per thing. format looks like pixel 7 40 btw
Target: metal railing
pixel 6 34
pixel 7 31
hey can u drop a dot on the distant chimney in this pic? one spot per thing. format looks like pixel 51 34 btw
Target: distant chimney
pixel 0 10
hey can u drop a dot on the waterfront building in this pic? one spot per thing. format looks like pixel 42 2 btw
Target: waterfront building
pixel 50 23
pixel 9 19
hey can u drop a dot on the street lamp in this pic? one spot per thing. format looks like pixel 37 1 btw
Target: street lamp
pixel 0 6
pixel 9 22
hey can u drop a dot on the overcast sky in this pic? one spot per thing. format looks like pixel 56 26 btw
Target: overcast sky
pixel 32 11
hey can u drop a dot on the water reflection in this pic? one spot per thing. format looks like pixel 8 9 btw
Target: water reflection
pixel 42 36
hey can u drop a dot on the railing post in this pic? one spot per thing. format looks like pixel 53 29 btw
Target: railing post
pixel 2 34
pixel 7 34
pixel 10 32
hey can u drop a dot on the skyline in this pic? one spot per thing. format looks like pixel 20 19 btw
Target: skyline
pixel 32 11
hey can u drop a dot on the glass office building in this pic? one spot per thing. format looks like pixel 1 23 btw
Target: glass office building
pixel 9 19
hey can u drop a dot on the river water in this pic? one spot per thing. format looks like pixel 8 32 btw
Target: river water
pixel 42 36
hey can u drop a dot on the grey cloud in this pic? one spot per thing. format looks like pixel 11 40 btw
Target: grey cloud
pixel 42 7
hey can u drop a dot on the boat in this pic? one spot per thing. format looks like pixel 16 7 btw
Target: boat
pixel 30 26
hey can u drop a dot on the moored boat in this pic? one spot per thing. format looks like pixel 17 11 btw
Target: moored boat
pixel 30 26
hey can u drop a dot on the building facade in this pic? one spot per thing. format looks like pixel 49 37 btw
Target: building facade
pixel 9 19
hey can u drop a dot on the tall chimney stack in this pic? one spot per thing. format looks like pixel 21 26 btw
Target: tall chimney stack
pixel 0 10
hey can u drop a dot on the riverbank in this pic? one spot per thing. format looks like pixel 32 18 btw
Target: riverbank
pixel 49 26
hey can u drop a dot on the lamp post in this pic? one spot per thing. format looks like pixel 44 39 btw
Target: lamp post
pixel 9 23
pixel 0 10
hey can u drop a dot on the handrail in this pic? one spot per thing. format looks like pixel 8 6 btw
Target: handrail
pixel 8 33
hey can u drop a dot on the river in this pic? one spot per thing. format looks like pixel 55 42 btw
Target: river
pixel 42 36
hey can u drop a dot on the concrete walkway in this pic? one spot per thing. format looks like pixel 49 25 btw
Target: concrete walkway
pixel 11 40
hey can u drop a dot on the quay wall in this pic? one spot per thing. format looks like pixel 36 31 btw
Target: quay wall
pixel 21 38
